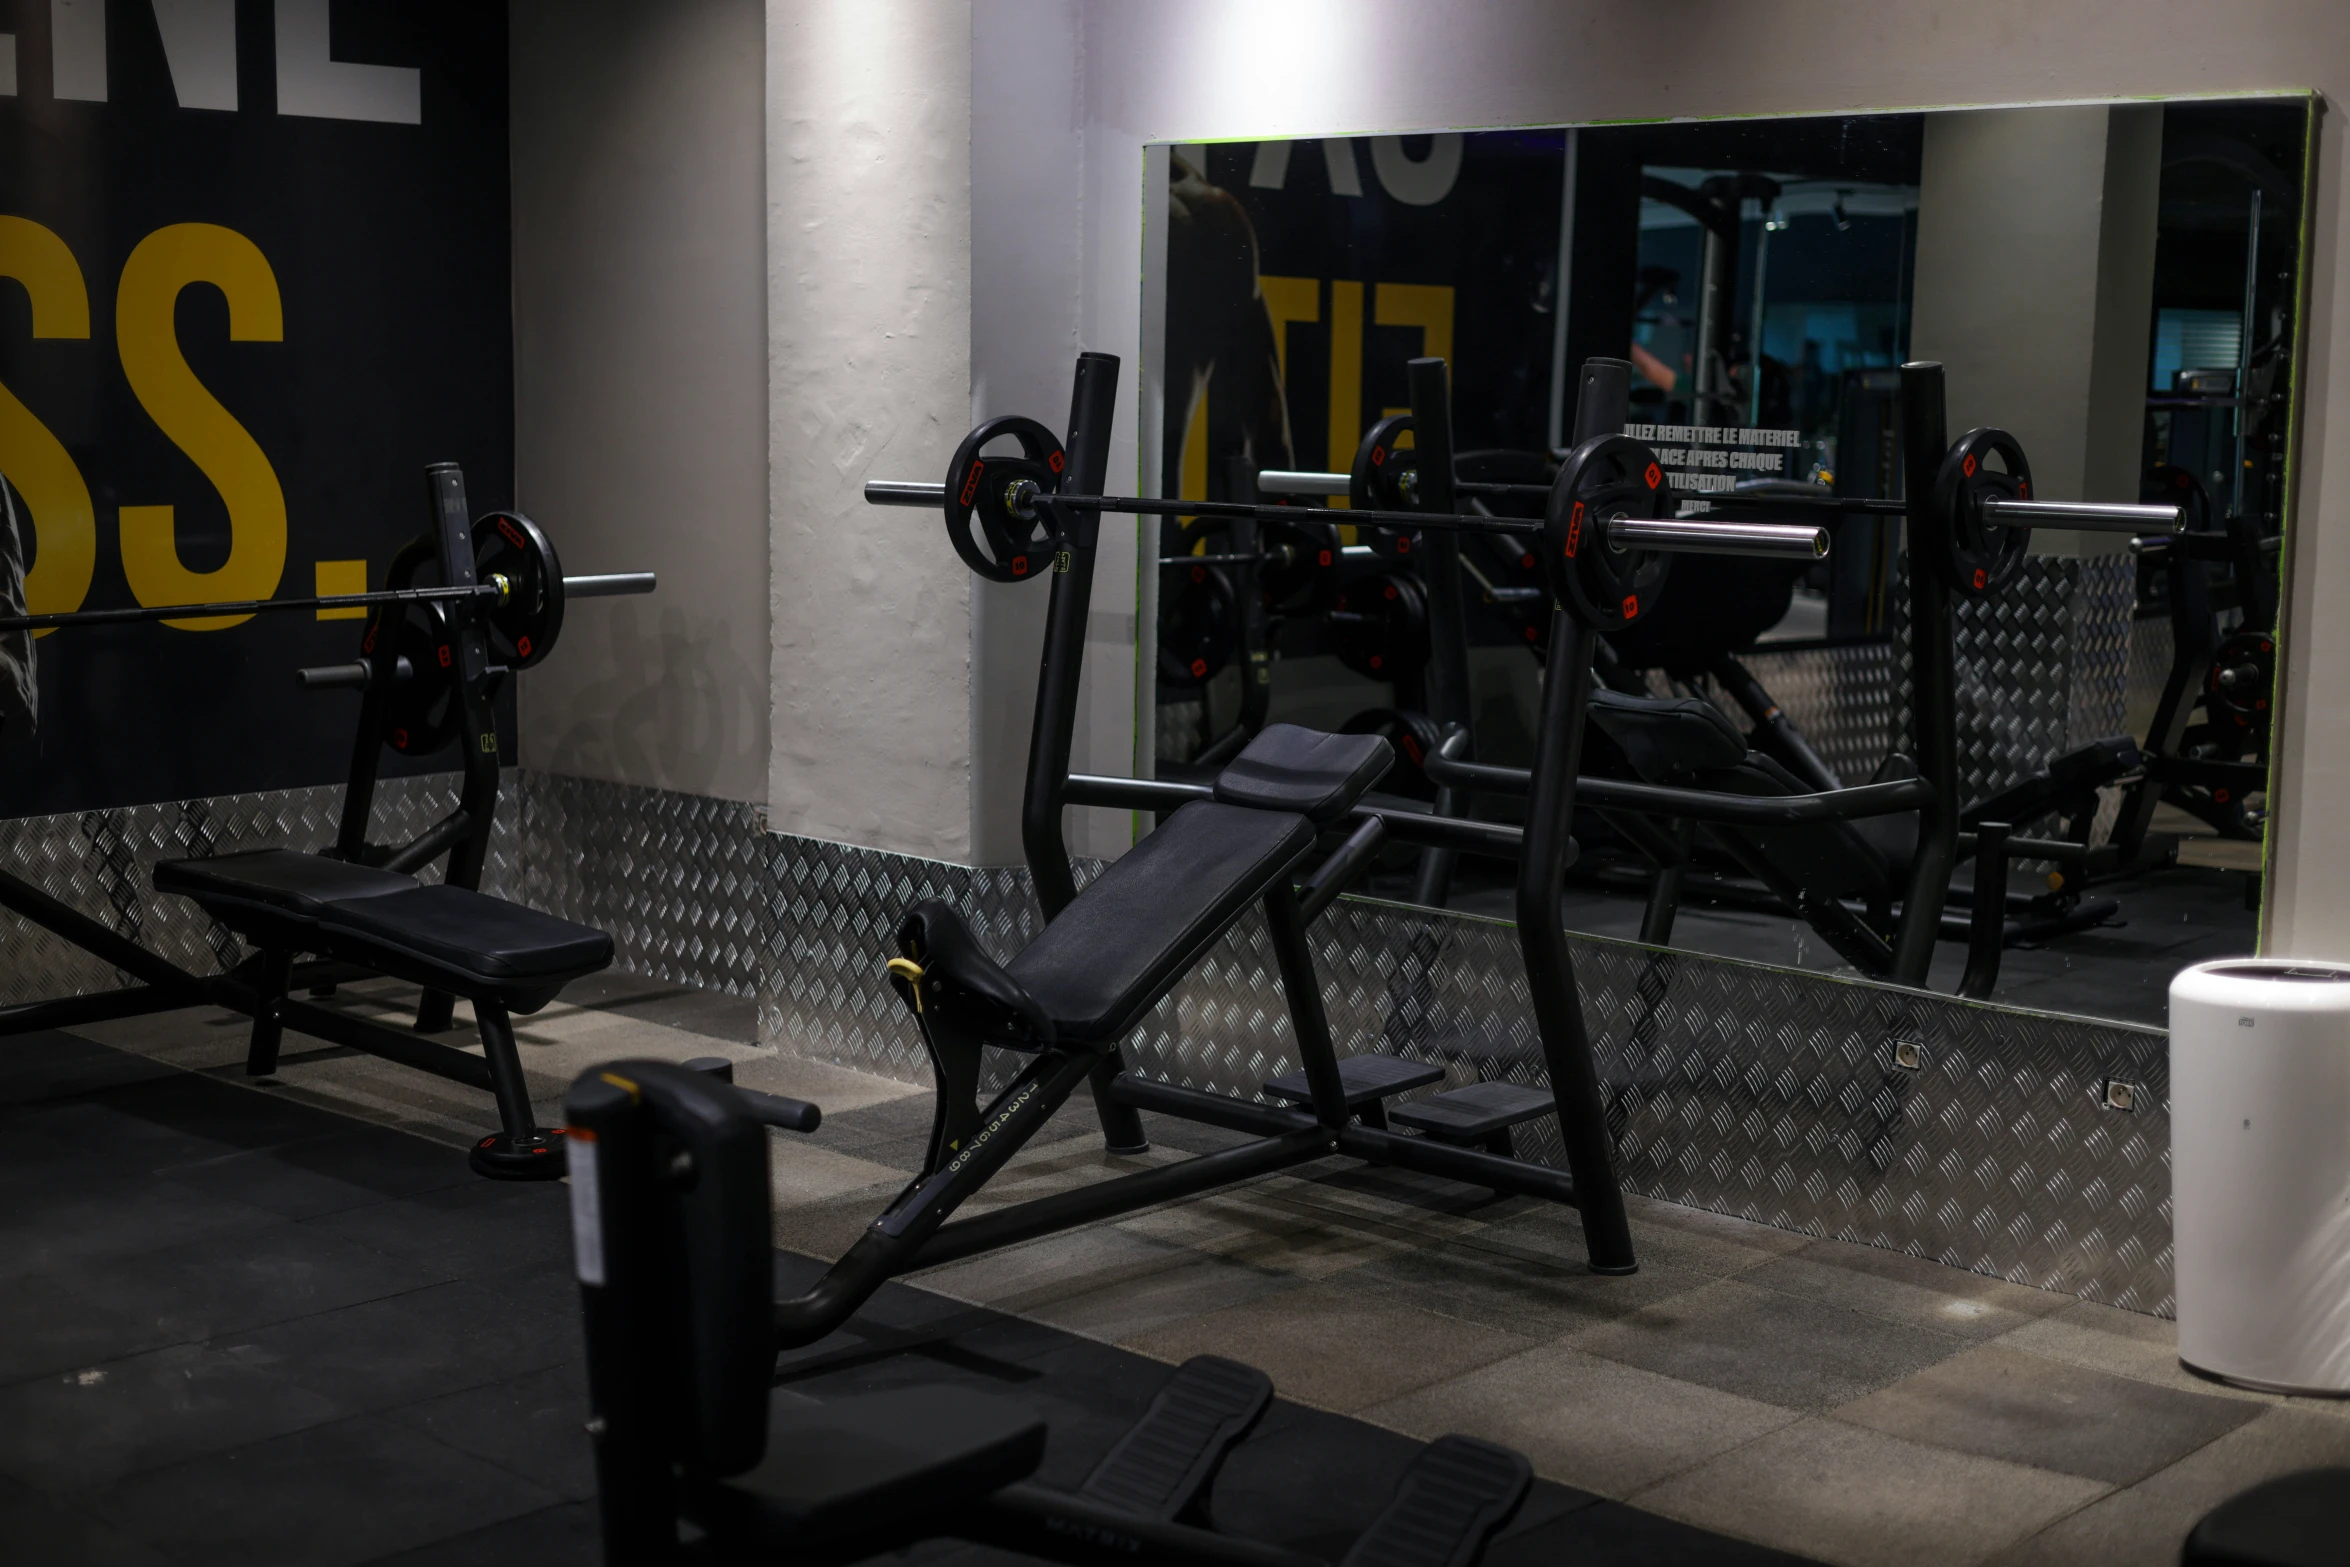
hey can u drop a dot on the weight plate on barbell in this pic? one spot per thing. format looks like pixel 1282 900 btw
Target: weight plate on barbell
pixel 1299 574
pixel 524 624
pixel 1199 625
pixel 1385 477
pixel 1980 555
pixel 2169 485
pixel 421 713
pixel 1379 626
pixel 2243 676
pixel 979 487
pixel 1609 478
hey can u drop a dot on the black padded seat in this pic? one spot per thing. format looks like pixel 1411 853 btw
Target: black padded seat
pixel 834 1468
pixel 278 879
pixel 1319 776
pixel 468 943
pixel 1363 1080
pixel 1475 1112
pixel 1144 921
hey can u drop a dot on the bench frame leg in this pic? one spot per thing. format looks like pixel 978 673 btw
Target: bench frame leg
pixel 524 1151
pixel 275 977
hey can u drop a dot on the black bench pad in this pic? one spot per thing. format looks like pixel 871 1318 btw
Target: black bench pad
pixel 1319 776
pixel 1474 1112
pixel 839 1467
pixel 280 879
pixel 2298 1520
pixel 484 940
pixel 1142 923
pixel 1364 1078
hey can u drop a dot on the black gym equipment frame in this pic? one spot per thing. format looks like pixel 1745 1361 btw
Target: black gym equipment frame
pixel 261 986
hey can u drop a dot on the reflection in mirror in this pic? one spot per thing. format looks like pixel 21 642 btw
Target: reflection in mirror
pixel 2113 287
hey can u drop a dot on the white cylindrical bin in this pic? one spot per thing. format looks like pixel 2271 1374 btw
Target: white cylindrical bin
pixel 2260 1172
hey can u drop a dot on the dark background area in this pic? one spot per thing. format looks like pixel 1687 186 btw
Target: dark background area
pixel 389 244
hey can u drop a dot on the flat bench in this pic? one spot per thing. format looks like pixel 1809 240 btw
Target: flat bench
pixel 499 955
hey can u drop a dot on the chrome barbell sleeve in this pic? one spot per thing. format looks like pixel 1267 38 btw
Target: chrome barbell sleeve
pixel 2086 516
pixel 1693 536
pixel 904 492
pixel 1291 481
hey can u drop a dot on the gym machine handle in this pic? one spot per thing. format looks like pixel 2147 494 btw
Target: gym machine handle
pixel 790 1115
pixel 2086 516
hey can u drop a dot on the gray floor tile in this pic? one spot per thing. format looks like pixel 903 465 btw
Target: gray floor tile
pixel 1054 1268
pixel 1764 1345
pixel 2004 1403
pixel 348 1492
pixel 36 1527
pixel 1888 1284
pixel 97 1425
pixel 1584 1421
pixel 568 1533
pixel 1332 1347
pixel 1859 1499
pixel 1488 1280
pixel 1191 1287
pixel 200 1290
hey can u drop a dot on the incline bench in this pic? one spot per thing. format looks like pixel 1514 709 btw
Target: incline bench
pixel 501 956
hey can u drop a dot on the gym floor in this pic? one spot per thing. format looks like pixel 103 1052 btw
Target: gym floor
pixel 283 1323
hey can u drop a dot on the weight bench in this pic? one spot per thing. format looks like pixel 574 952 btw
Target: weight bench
pixel 682 1333
pixel 501 956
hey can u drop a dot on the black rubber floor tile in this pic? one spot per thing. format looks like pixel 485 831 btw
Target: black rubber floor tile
pixel 479 1227
pixel 419 1345
pixel 347 1166
pixel 567 1534
pixel 1610 1534
pixel 92 1134
pixel 36 1527
pixel 231 1284
pixel 535 1426
pixel 95 1426
pixel 353 1491
pixel 51 1230
pixel 56 1065
pixel 224 1113
pixel 47 1325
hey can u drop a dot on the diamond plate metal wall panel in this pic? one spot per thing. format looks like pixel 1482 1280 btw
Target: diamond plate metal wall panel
pixel 1842 698
pixel 678 879
pixel 1774 1094
pixel 103 863
pixel 2042 666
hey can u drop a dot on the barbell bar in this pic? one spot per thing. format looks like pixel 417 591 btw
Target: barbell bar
pixel 495 591
pixel 1687 538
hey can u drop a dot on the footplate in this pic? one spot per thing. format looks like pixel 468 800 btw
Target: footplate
pixel 1457 1494
pixel 1162 1467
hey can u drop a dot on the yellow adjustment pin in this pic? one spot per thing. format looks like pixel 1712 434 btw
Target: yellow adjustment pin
pixel 911 972
pixel 623 1084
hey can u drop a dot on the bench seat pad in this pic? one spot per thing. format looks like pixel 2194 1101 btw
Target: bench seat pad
pixel 1142 923
pixel 472 934
pixel 289 882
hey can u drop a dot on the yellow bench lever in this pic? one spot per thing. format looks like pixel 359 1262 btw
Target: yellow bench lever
pixel 911 972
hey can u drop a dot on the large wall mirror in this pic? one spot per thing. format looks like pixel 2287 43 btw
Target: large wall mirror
pixel 2116 286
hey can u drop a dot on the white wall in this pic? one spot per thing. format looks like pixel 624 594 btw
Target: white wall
pixel 640 381
pixel 1246 69
pixel 869 375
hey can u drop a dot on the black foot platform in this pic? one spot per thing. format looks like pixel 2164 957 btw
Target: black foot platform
pixel 1162 1467
pixel 1480 1114
pixel 1365 1080
pixel 1457 1494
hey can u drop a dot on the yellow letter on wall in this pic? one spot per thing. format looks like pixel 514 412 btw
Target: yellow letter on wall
pixel 167 261
pixel 65 532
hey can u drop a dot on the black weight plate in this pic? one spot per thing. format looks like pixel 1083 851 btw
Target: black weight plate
pixel 1384 478
pixel 1199 624
pixel 1379 626
pixel 2242 681
pixel 422 713
pixel 1007 547
pixel 1606 479
pixel 2168 485
pixel 1982 556
pixel 524 624
pixel 1414 736
pixel 1512 563
pixel 1300 575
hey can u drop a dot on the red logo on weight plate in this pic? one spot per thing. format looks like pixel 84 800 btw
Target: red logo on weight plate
pixel 1199 669
pixel 1574 530
pixel 1056 461
pixel 1968 466
pixel 971 482
pixel 1631 606
pixel 1655 476
pixel 1981 577
pixel 1378 455
pixel 1019 565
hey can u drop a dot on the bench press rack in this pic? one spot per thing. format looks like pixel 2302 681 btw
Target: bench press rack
pixel 359 906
